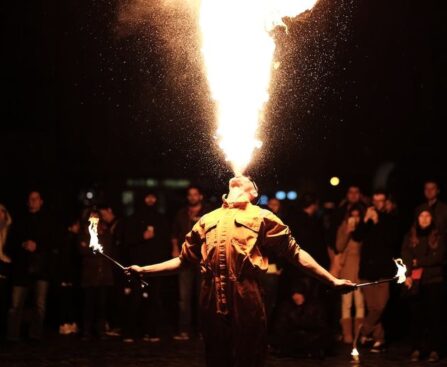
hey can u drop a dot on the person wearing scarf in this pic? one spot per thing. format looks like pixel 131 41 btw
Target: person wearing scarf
pixel 423 251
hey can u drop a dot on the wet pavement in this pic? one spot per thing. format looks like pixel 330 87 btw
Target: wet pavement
pixel 71 351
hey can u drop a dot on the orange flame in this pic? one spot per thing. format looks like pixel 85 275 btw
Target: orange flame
pixel 238 52
pixel 93 230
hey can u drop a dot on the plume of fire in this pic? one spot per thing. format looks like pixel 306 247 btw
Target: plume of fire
pixel 238 51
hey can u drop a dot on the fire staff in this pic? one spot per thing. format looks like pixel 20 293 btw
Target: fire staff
pixel 232 246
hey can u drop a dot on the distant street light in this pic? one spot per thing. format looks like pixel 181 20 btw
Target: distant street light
pixel 334 181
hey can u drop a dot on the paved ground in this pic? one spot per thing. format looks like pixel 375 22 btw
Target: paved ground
pixel 70 351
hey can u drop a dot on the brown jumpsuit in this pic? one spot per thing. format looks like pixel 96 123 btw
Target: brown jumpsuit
pixel 232 244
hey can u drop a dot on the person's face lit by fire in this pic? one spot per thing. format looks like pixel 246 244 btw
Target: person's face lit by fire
pixel 274 205
pixel 194 197
pixel 431 191
pixel 241 188
pixel 107 215
pixel 35 202
pixel 379 202
pixel 425 219
pixel 353 195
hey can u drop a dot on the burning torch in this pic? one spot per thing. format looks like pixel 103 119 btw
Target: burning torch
pixel 97 247
pixel 400 278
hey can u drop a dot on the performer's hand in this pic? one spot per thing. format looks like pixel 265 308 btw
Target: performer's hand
pixel 133 269
pixel 343 285
pixel 409 282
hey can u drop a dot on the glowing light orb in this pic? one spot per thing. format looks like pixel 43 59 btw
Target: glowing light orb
pixel 334 181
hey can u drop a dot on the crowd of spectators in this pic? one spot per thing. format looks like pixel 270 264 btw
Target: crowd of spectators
pixel 356 240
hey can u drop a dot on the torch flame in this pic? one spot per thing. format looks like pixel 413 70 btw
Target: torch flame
pixel 93 230
pixel 238 52
pixel 401 274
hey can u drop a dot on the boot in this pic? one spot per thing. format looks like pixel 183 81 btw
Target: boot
pixel 346 326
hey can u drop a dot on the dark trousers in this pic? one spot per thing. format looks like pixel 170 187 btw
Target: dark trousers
pixel 4 301
pixel 426 309
pixel 66 304
pixel 189 286
pixel 19 295
pixel 143 310
pixel 376 298
pixel 94 310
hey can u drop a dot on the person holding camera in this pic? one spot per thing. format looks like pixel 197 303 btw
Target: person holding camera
pixel 378 234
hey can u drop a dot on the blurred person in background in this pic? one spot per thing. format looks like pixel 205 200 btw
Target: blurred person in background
pixel 189 277
pixel 349 256
pixel 115 298
pixel 67 266
pixel 437 208
pixel 270 279
pixel 423 251
pixel 5 265
pixel 96 279
pixel 308 229
pixel 146 242
pixel 378 234
pixel 300 327
pixel 30 256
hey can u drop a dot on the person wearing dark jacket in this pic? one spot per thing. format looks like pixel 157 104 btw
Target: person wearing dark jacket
pixel 423 251
pixel 437 208
pixel 188 278
pixel 30 256
pixel 115 298
pixel 378 234
pixel 5 265
pixel 301 327
pixel 67 277
pixel 147 241
pixel 96 279
pixel 308 230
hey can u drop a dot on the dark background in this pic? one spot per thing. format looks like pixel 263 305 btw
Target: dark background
pixel 89 101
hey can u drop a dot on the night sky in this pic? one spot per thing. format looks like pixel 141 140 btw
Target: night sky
pixel 103 90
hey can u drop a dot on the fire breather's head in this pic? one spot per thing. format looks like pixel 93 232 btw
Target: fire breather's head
pixel 240 186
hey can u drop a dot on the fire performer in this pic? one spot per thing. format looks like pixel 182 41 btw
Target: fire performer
pixel 232 245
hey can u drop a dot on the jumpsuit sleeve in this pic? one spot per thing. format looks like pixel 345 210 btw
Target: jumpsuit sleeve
pixel 278 238
pixel 191 248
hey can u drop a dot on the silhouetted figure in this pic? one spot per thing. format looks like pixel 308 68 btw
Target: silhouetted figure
pixel 423 251
pixel 31 255
pixel 147 242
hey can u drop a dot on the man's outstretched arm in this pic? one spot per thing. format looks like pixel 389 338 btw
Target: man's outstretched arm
pixel 190 254
pixel 309 263
pixel 165 268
